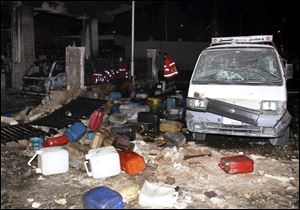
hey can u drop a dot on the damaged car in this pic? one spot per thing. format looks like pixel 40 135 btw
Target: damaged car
pixel 238 88
pixel 44 76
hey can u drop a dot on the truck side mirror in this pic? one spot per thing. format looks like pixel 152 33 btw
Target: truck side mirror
pixel 289 71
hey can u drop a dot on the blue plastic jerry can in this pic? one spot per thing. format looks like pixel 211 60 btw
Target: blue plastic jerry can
pixel 76 131
pixel 171 103
pixel 102 198
pixel 115 96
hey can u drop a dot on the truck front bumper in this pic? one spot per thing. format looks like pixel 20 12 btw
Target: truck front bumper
pixel 269 126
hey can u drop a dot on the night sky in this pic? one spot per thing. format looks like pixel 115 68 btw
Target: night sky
pixel 190 20
pixel 199 20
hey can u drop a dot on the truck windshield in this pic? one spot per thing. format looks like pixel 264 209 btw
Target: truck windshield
pixel 238 65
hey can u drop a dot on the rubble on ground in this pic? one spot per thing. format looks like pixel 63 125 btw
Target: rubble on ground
pixel 179 173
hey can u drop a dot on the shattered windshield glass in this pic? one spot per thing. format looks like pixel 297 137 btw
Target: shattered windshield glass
pixel 238 65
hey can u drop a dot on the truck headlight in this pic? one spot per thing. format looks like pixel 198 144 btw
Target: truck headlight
pixel 197 103
pixel 269 105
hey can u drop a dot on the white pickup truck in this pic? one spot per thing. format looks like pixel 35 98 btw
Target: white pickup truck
pixel 238 87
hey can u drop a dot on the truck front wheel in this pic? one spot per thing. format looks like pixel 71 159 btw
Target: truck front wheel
pixel 282 140
pixel 199 136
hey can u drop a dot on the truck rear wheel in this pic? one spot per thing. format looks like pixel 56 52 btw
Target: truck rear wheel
pixel 282 140
pixel 199 136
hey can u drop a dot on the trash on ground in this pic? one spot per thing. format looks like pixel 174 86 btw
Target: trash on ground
pixel 154 195
pixel 61 201
pixel 8 120
pixel 128 190
pixel 175 138
pixel 283 179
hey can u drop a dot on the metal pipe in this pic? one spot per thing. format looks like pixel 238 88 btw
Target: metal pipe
pixel 132 42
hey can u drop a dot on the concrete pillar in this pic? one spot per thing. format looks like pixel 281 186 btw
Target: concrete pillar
pixel 75 68
pixel 3 82
pixel 86 37
pixel 23 52
pixel 94 38
pixel 152 55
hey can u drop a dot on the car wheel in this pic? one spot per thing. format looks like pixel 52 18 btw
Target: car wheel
pixel 282 140
pixel 199 136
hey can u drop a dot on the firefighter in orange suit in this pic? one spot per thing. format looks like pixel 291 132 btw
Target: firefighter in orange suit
pixel 170 69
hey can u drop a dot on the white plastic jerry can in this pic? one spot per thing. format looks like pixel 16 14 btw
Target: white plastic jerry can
pixel 104 162
pixel 51 160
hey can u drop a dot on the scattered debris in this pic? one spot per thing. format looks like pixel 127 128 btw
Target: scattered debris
pixel 118 118
pixel 257 157
pixel 170 180
pixel 36 205
pixel 217 200
pixel 291 169
pixel 155 195
pixel 8 120
pixel 61 201
pixel 165 159
pixel 210 194
pixel 128 190
pixel 291 190
pixel 18 132
pixel 175 138
pixel 30 200
pixel 279 178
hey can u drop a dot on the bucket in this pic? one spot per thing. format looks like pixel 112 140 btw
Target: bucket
pixel 76 131
pixel 36 142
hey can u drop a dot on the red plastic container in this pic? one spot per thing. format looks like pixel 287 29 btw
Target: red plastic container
pixel 236 164
pixel 131 162
pixel 56 141
pixel 95 120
